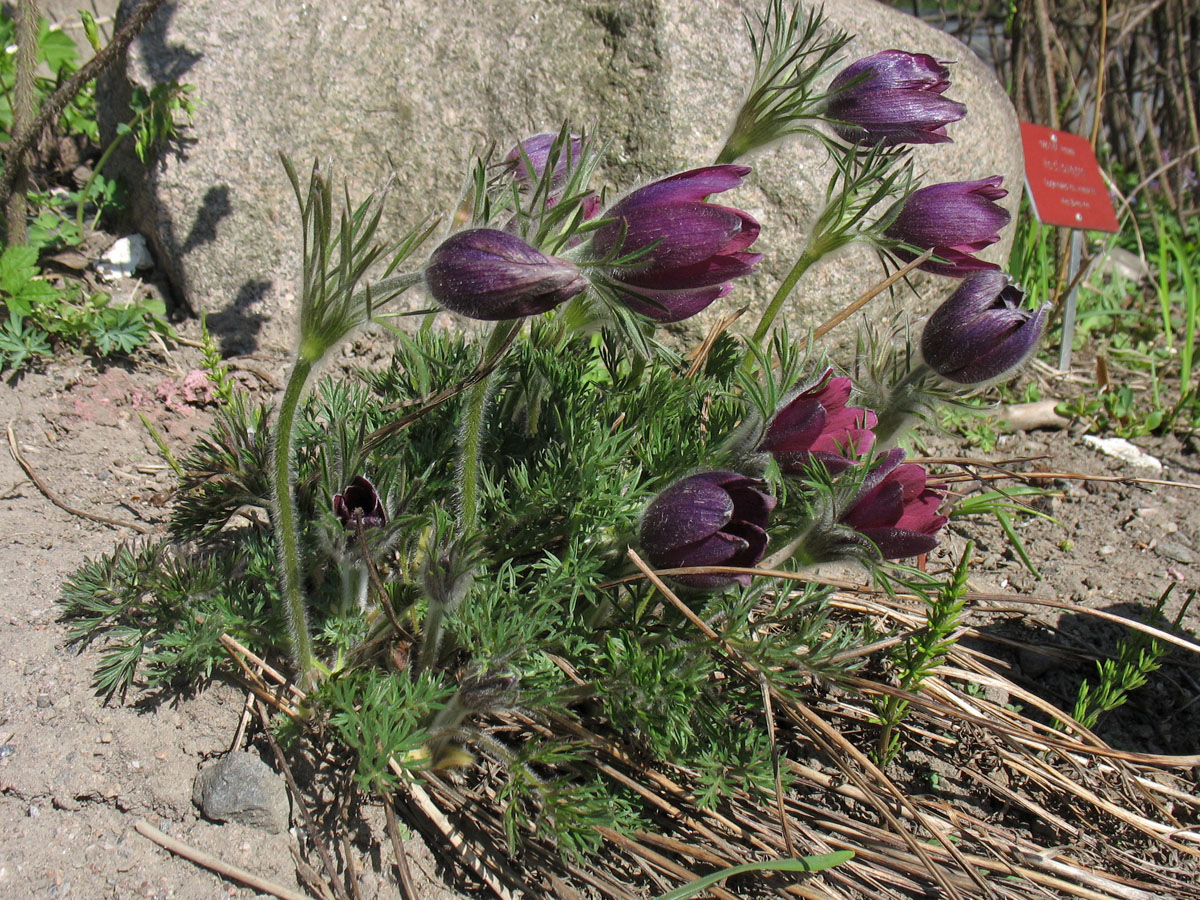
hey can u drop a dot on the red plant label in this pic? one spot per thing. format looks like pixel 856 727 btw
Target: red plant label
pixel 1064 180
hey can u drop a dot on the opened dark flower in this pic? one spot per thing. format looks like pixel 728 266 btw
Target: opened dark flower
pixel 893 97
pixel 955 220
pixel 895 509
pixel 695 250
pixel 817 424
pixel 710 519
pixel 359 501
pixel 487 274
pixel 983 331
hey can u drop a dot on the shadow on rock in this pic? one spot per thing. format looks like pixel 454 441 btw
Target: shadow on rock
pixel 236 328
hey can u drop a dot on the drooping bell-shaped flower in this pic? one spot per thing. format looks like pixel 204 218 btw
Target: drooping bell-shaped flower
pixel 488 274
pixel 893 97
pixel 694 249
pixel 817 424
pixel 359 501
pixel 709 519
pixel 529 159
pixel 956 220
pixel 982 331
pixel 896 510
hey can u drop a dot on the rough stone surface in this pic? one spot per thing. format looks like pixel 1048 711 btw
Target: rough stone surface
pixel 410 86
pixel 242 788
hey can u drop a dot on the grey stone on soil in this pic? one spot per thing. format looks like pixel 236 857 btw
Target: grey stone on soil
pixel 408 87
pixel 241 788
pixel 1177 551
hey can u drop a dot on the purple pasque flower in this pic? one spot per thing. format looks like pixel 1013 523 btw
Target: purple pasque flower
pixel 359 500
pixel 816 424
pixel 955 220
pixel 696 248
pixel 528 160
pixel 487 274
pixel 896 510
pixel 709 519
pixel 983 330
pixel 893 97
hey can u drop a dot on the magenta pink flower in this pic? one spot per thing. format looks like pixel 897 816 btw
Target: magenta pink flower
pixel 896 510
pixel 955 220
pixel 698 249
pixel 817 424
pixel 893 97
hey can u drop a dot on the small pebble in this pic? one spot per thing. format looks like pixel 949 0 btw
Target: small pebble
pixel 1107 550
pixel 106 738
pixel 43 701
pixel 7 750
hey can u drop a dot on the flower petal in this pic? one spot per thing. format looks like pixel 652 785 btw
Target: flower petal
pixel 689 511
pixel 673 306
pixel 692 186
pixel 896 543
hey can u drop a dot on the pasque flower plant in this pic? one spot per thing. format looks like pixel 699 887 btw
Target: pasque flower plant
pixel 675 252
pixel 955 220
pixel 483 273
pixel 523 462
pixel 983 331
pixel 893 97
pixel 816 424
pixel 708 519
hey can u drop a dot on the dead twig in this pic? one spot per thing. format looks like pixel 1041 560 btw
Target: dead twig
pixel 408 890
pixel 49 495
pixel 310 826
pixel 836 748
pixel 867 297
pixel 213 864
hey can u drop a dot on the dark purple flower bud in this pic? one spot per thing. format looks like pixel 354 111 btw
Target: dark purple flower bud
pixel 895 509
pixel 710 519
pixel 955 219
pixel 817 424
pixel 700 250
pixel 488 274
pixel 892 98
pixel 359 501
pixel 528 160
pixel 982 331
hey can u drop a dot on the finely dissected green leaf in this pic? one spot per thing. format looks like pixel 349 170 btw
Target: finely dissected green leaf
pixel 803 864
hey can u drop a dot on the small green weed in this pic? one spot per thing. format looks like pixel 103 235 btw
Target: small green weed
pixel 1004 505
pixel 40 313
pixel 922 651
pixel 1138 657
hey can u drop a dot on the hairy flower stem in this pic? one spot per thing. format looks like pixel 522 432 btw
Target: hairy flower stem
pixel 471 434
pixel 811 254
pixel 284 508
pixel 904 400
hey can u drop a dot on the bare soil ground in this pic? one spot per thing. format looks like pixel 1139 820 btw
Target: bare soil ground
pixel 76 774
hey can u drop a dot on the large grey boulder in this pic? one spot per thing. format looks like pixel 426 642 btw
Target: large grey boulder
pixel 411 86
